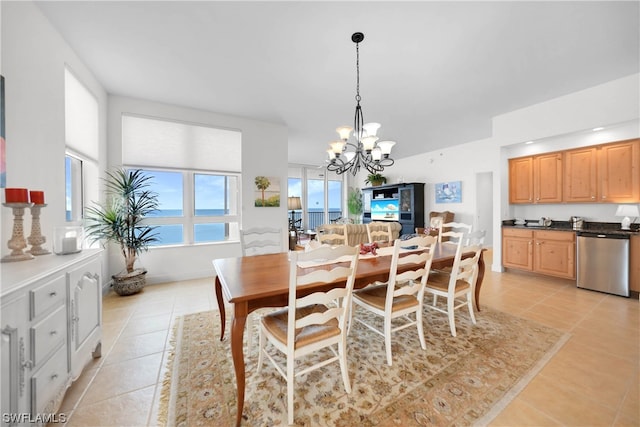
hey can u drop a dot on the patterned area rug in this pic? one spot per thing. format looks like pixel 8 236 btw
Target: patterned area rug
pixel 466 380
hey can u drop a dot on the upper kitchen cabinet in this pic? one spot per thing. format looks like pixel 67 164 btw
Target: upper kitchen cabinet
pixel 607 173
pixel 536 179
pixel 618 166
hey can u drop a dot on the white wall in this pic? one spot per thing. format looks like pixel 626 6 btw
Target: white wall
pixel 34 56
pixel 264 152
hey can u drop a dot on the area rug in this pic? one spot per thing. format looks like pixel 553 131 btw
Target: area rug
pixel 466 380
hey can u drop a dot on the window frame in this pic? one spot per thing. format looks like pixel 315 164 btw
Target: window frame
pixel 189 219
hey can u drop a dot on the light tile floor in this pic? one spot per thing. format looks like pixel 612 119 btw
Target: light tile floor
pixel 592 381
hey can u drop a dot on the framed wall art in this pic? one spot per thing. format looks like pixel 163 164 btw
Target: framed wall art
pixel 449 192
pixel 267 193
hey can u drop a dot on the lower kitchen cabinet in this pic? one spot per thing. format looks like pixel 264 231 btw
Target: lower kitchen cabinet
pixel 51 327
pixel 547 252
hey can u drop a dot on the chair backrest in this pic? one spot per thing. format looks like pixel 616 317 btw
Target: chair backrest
pixel 465 269
pixel 333 234
pixel 379 231
pixel 332 270
pixel 456 227
pixel 414 280
pixel 261 240
pixel 475 238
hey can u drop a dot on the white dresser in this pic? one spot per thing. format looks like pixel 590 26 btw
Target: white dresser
pixel 51 317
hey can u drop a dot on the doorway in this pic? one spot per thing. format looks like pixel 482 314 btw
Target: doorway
pixel 484 205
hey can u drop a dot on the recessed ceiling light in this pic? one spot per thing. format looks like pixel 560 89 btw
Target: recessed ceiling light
pixel 597 129
pixel 529 142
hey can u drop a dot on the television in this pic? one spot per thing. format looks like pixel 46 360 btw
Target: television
pixel 385 210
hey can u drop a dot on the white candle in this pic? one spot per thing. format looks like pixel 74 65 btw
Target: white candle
pixel 69 245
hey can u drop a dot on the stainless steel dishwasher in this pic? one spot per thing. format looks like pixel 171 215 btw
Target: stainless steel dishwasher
pixel 603 262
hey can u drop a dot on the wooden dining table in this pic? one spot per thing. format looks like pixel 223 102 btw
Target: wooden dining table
pixel 259 281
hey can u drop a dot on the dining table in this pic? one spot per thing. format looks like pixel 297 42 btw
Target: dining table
pixel 260 281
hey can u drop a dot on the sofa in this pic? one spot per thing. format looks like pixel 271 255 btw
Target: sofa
pixel 357 233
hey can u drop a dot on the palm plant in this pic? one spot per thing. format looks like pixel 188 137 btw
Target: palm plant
pixel 120 219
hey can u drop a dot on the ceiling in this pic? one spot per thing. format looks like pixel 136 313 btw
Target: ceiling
pixel 432 73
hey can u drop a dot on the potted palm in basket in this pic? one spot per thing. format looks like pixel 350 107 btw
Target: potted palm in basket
pixel 120 220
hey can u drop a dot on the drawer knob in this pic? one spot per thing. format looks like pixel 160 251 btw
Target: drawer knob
pixel 54 332
pixel 54 376
pixel 53 294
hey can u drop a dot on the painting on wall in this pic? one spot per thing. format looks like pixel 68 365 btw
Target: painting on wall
pixel 267 191
pixel 3 148
pixel 449 192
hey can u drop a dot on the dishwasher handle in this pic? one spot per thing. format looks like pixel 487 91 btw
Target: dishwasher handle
pixel 603 235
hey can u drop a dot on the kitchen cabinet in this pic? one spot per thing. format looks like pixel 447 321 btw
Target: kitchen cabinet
pixel 555 253
pixel 619 172
pixel 536 179
pixel 546 252
pixel 608 173
pixel 517 248
pixel 51 326
pixel 580 175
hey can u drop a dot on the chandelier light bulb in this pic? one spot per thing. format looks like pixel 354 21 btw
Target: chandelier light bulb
pixel 337 147
pixel 386 146
pixel 344 132
pixel 331 154
pixel 371 129
pixel 376 154
pixel 369 142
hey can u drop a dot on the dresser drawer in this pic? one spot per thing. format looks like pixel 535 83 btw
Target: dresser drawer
pixel 48 295
pixel 48 334
pixel 49 381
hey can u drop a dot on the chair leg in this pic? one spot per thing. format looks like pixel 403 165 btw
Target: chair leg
pixel 342 345
pixel 450 311
pixel 387 340
pixel 261 344
pixel 423 344
pixel 290 386
pixel 470 304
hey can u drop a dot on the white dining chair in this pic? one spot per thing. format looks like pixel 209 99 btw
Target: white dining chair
pixel 312 322
pixel 402 295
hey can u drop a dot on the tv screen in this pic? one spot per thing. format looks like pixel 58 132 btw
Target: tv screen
pixel 385 210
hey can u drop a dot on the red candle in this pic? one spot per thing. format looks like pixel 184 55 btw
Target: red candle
pixel 16 195
pixel 37 197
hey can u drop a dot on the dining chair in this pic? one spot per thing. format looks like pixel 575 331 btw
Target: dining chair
pixel 454 285
pixel 475 238
pixel 379 231
pixel 259 241
pixel 403 294
pixel 333 234
pixel 312 322
pixel 456 227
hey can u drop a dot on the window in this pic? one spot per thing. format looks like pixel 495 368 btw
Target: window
pixel 322 194
pixel 194 207
pixel 196 174
pixel 81 157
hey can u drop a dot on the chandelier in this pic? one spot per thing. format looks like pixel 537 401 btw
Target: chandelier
pixel 366 151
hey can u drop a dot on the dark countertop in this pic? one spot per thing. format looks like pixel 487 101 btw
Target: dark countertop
pixel 593 227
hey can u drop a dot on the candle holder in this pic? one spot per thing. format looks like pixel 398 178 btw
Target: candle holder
pixel 36 239
pixel 17 242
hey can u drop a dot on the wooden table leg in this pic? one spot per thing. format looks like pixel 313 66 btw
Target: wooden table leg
pixel 481 268
pixel 237 332
pixel 223 317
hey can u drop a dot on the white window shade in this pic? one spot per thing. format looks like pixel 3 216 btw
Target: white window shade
pixel 163 143
pixel 81 117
